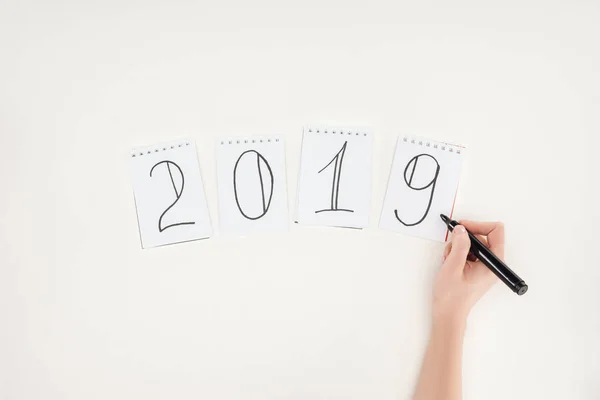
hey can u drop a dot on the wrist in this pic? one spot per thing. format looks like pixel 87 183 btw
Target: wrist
pixel 450 323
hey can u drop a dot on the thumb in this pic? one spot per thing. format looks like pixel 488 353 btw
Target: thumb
pixel 460 248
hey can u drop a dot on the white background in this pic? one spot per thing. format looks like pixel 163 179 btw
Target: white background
pixel 319 313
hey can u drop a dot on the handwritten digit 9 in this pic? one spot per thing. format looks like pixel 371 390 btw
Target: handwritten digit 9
pixel 408 178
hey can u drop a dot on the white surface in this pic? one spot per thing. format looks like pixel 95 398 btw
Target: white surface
pixel 318 313
pixel 335 174
pixel 423 181
pixel 251 177
pixel 169 194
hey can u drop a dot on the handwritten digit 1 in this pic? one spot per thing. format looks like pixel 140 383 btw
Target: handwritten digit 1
pixel 408 180
pixel 178 193
pixel 266 202
pixel 335 184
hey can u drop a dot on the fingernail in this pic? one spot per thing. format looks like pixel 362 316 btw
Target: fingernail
pixel 459 229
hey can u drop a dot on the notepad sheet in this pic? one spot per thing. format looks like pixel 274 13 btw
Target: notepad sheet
pixel 334 185
pixel 169 194
pixel 422 185
pixel 252 185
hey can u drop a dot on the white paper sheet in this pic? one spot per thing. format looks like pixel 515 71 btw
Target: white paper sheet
pixel 422 185
pixel 334 186
pixel 252 185
pixel 169 194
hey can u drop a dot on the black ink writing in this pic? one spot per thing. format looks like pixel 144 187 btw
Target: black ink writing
pixel 408 178
pixel 178 193
pixel 335 184
pixel 265 199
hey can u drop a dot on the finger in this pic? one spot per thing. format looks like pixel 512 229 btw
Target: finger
pixel 483 239
pixel 494 232
pixel 447 250
pixel 459 249
pixel 480 228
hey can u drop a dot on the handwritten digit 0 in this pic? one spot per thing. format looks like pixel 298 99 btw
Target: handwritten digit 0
pixel 408 180
pixel 177 194
pixel 266 202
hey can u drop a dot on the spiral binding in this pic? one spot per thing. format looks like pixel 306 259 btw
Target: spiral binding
pixel 432 143
pixel 341 132
pixel 250 141
pixel 158 148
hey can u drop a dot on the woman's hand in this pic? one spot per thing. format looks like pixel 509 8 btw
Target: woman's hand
pixel 462 280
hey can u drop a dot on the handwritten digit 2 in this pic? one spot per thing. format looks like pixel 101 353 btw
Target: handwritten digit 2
pixel 408 181
pixel 266 203
pixel 335 184
pixel 177 193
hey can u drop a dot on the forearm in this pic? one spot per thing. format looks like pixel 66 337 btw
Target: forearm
pixel 441 372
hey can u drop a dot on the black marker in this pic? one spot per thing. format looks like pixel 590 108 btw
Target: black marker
pixel 491 261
